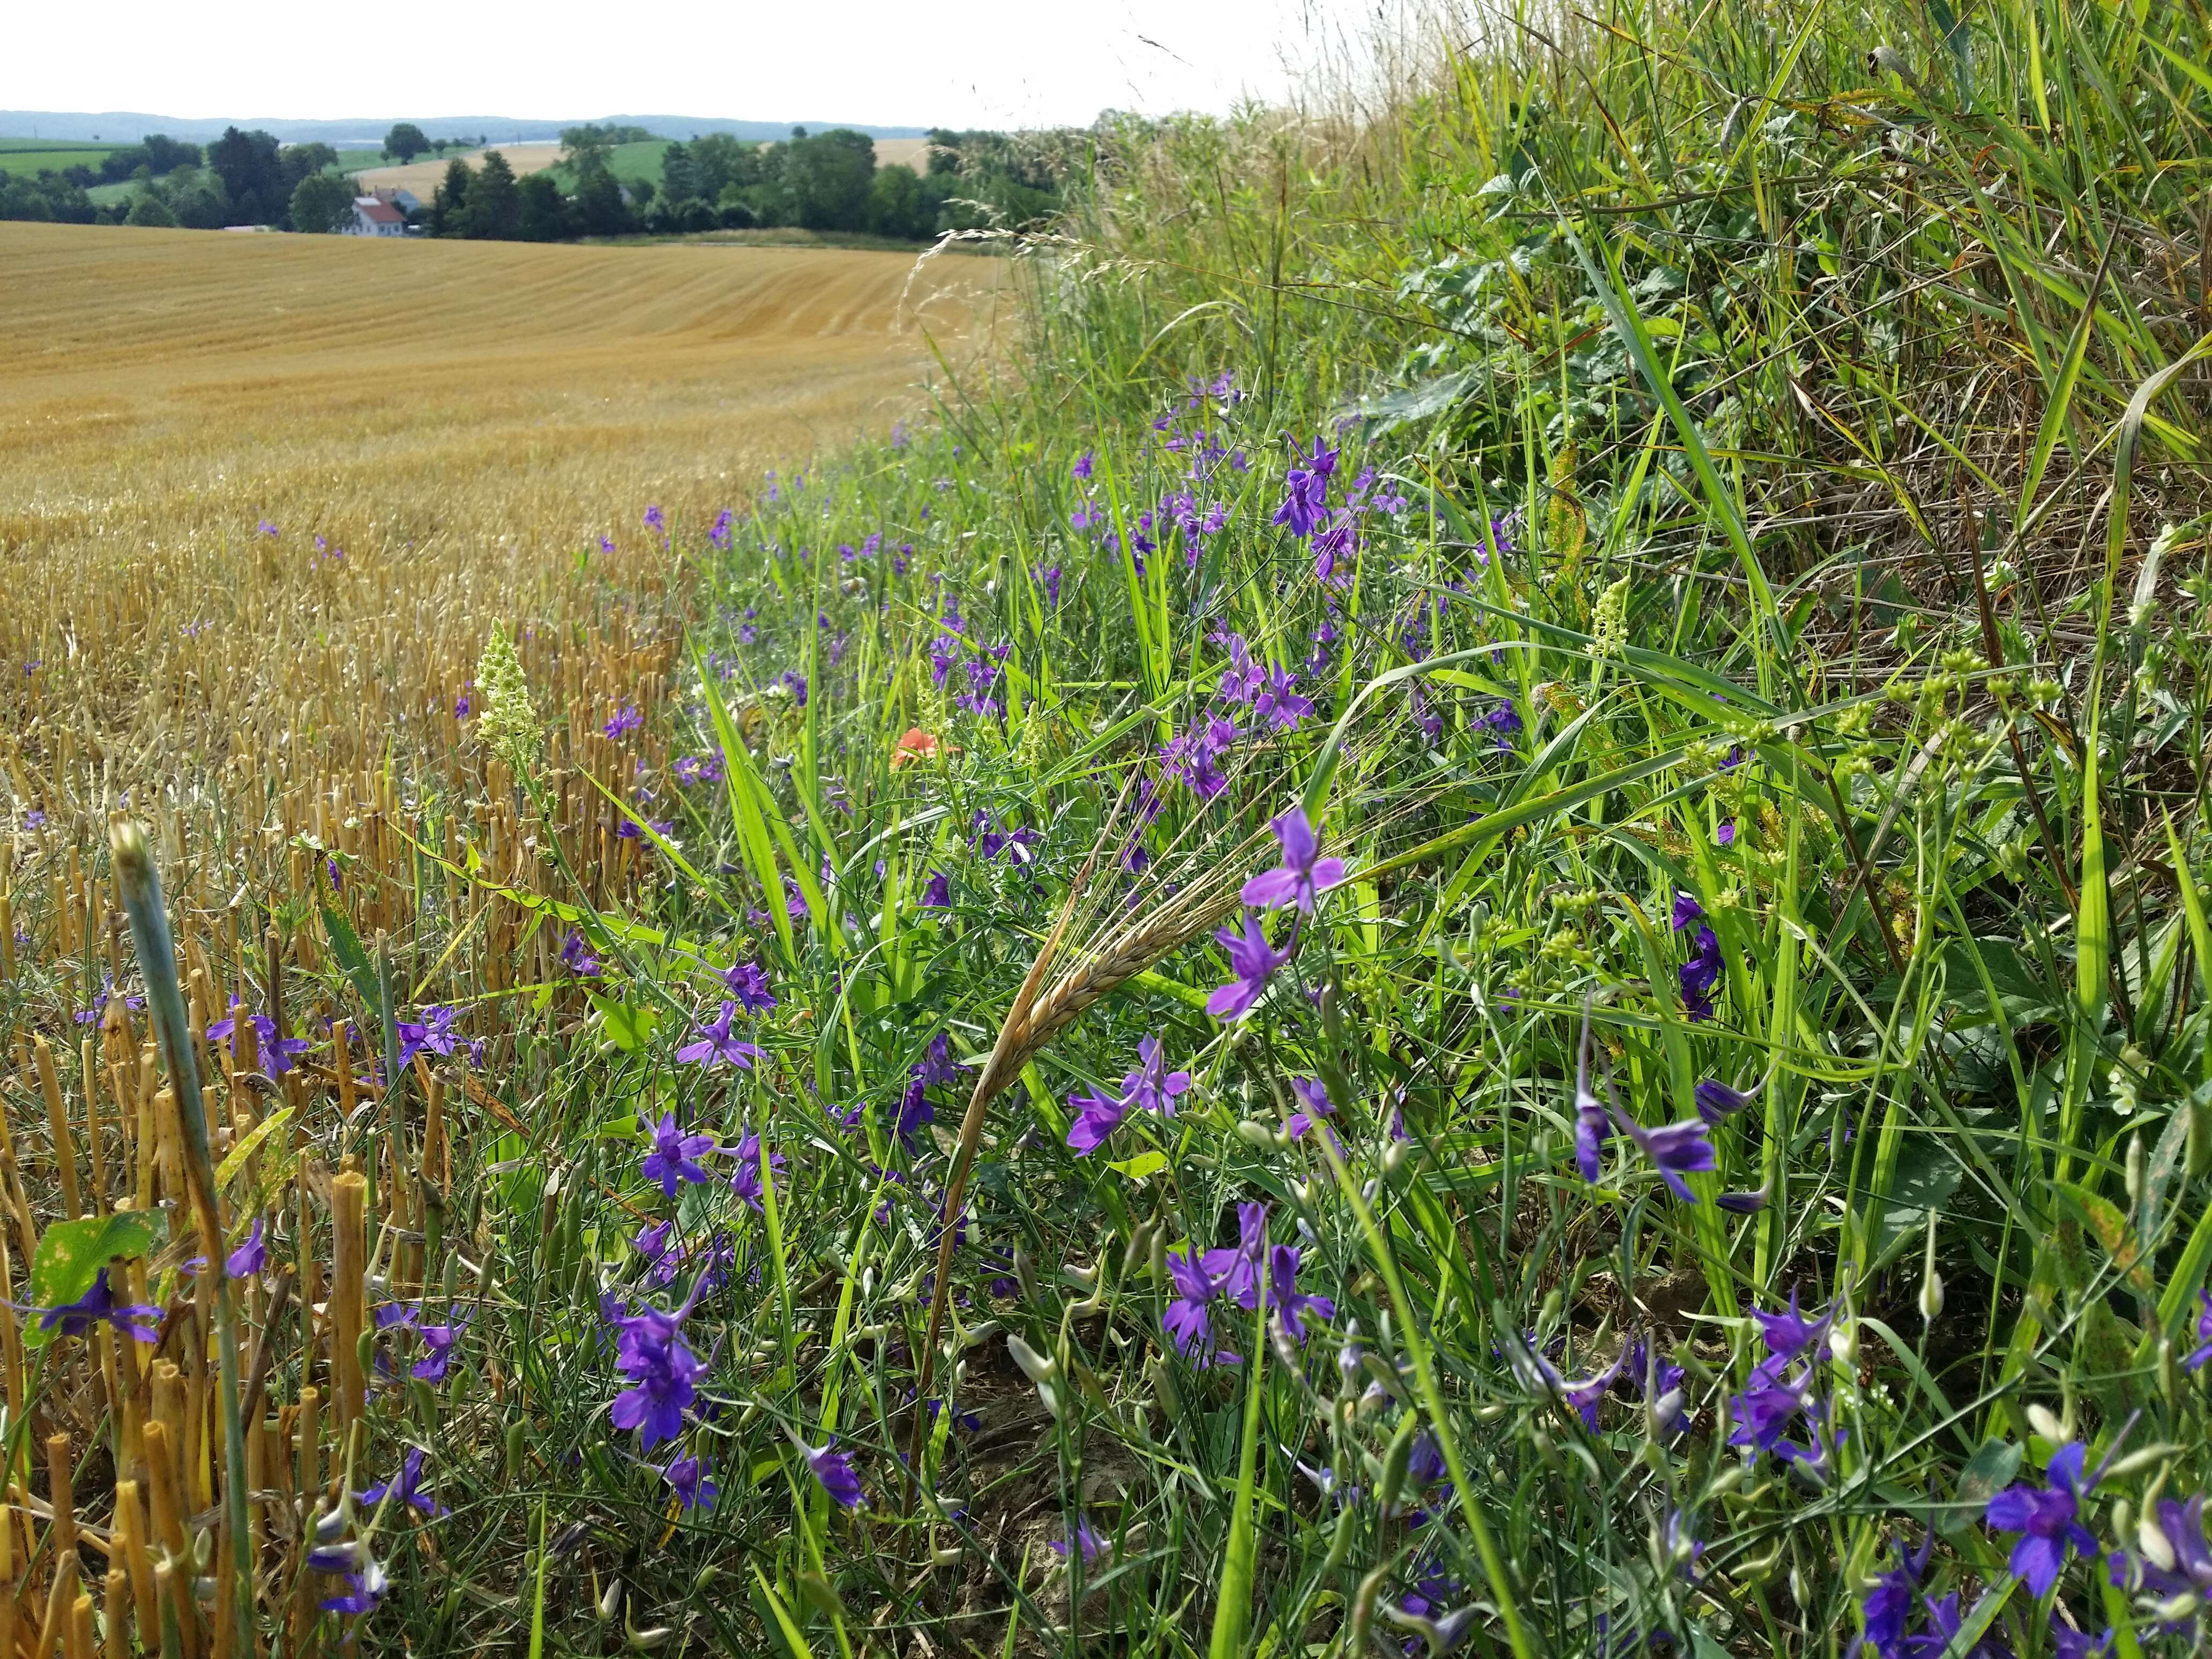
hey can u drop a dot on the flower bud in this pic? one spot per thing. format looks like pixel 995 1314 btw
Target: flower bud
pixel 1931 1297
pixel 1256 1133
pixel 2040 1420
pixel 1844 1341
pixel 610 1601
pixel 2155 1544
pixel 1038 1369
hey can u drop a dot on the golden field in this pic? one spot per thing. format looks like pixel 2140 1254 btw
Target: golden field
pixel 463 420
pixel 423 177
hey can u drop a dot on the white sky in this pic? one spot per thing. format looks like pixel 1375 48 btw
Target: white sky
pixel 918 63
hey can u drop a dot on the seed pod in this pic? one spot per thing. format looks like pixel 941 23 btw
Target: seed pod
pixel 1394 1461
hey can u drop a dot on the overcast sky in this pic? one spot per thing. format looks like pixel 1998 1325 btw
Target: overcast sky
pixel 958 62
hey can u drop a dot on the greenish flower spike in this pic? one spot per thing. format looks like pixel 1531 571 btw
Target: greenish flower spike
pixel 509 726
pixel 1609 625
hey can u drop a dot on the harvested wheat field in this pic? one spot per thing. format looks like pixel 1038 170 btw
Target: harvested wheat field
pixel 423 177
pixel 194 427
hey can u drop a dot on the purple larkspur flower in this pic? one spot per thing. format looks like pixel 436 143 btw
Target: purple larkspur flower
pixel 1305 501
pixel 138 1321
pixel 1302 875
pixel 1295 1308
pixel 249 1258
pixel 1312 1105
pixel 405 1488
pixel 1591 1124
pixel 1700 974
pixel 1235 1269
pixel 2048 1520
pixel 1253 962
pixel 1887 1607
pixel 433 1034
pixel 576 956
pixel 1085 465
pixel 1151 1085
pixel 1096 1116
pixel 1687 910
pixel 834 1469
pixel 2204 1352
pixel 694 1487
pixel 624 720
pixel 1279 705
pixel 915 1114
pixel 750 986
pixel 937 894
pixel 663 1372
pixel 656 520
pixel 719 539
pixel 368 1584
pixel 1087 1542
pixel 1717 1101
pixel 1189 1320
pixel 745 1179
pixel 1674 1149
pixel 675 1156
pixel 274 1054
pixel 717 1045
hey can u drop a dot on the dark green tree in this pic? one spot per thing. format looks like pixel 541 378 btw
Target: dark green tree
pixel 148 209
pixel 252 177
pixel 679 175
pixel 495 205
pixel 544 215
pixel 597 204
pixel 897 206
pixel 723 161
pixel 406 141
pixel 829 178
pixel 322 203
pixel 449 204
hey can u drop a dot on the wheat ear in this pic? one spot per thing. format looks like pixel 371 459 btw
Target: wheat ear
pixel 1033 1020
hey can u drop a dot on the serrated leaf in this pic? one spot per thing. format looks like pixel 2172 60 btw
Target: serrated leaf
pixel 71 1255
pixel 345 946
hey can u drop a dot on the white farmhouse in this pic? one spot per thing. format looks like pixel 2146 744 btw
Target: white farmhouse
pixel 374 218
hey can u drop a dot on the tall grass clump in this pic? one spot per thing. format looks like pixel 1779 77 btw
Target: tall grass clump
pixel 1477 926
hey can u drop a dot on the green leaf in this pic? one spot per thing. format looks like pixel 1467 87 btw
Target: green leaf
pixel 345 946
pixel 629 1026
pixel 1143 1164
pixel 71 1253
pixel 1991 1469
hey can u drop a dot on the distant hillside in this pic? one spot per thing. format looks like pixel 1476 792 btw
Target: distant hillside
pixel 128 125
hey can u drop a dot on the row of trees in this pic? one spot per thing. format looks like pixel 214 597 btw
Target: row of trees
pixel 241 178
pixel 825 181
pixel 406 141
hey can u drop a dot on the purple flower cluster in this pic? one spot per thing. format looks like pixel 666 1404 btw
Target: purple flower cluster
pixel 1151 1086
pixel 1702 972
pixel 276 1054
pixel 1776 1396
pixel 663 1372
pixel 1237 1274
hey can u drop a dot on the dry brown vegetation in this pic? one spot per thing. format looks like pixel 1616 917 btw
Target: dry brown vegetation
pixel 462 419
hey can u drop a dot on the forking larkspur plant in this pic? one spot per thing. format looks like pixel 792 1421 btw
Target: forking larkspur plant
pixel 1390 962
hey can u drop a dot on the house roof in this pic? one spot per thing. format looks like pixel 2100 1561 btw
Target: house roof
pixel 377 213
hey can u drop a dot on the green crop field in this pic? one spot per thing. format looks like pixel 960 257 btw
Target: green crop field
pixel 630 163
pixel 27 156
